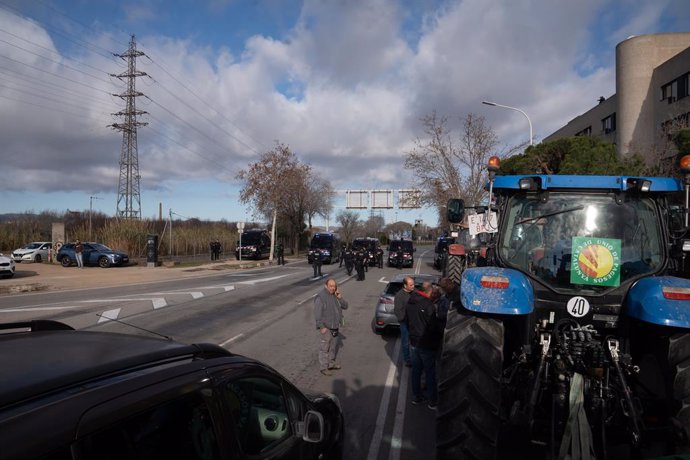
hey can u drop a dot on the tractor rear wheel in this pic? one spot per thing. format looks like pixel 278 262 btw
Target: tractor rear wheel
pixel 454 267
pixel 679 359
pixel 468 421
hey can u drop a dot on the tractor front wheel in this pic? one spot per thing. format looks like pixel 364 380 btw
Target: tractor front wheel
pixel 468 421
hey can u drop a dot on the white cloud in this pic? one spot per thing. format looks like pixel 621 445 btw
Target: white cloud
pixel 356 84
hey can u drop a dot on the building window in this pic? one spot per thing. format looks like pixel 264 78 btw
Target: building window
pixel 677 89
pixel 608 124
pixel 585 132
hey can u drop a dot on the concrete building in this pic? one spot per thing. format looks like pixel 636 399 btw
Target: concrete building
pixel 651 101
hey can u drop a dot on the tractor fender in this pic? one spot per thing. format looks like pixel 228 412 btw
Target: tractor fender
pixel 456 249
pixel 646 302
pixel 515 299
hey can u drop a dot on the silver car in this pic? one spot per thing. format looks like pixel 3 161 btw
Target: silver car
pixel 6 266
pixel 384 318
pixel 32 252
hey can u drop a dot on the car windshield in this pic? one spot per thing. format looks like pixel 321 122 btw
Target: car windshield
pixel 582 242
pixel 397 245
pixel 252 238
pixel 32 246
pixel 363 244
pixel 321 243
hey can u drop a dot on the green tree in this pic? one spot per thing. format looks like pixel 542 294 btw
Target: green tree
pixel 573 155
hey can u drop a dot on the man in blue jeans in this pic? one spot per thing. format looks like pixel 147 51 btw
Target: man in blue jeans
pixel 425 340
pixel 399 305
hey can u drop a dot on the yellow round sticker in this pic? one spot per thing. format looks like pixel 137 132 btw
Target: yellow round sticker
pixel 595 261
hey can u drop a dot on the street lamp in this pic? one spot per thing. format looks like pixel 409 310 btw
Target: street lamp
pixel 91 198
pixel 516 109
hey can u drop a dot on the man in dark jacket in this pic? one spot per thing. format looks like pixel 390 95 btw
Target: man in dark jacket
pixel 425 340
pixel 328 314
pixel 360 260
pixel 399 306
pixel 379 257
pixel 318 260
pixel 349 260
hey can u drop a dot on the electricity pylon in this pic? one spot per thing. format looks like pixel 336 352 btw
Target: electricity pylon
pixel 128 195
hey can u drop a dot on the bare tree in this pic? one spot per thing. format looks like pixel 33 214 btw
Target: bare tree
pixel 319 198
pixel 280 185
pixel 348 221
pixel 373 225
pixel 447 166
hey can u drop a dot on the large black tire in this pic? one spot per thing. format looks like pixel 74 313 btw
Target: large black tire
pixel 468 420
pixel 454 267
pixel 679 358
pixel 38 259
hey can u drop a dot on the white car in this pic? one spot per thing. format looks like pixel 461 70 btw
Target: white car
pixel 32 252
pixel 6 266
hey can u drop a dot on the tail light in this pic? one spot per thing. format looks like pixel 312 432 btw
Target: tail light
pixel 676 293
pixel 496 282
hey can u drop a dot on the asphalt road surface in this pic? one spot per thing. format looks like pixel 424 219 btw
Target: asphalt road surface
pixel 267 314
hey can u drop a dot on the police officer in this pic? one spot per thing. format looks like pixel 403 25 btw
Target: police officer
pixel 280 254
pixel 318 260
pixel 379 256
pixel 349 260
pixel 399 257
pixel 342 255
pixel 360 260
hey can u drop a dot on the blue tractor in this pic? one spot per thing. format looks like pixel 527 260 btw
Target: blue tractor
pixel 574 340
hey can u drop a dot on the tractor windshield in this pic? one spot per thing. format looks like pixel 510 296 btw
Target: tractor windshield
pixel 582 242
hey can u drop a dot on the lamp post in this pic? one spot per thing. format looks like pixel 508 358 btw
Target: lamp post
pixel 91 198
pixel 516 109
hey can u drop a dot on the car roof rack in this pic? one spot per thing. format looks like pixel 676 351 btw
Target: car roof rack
pixel 37 325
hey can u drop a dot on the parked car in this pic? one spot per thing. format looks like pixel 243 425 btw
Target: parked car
pixel 6 266
pixel 99 395
pixel 32 252
pixel 384 318
pixel 254 244
pixel 371 245
pixel 326 242
pixel 93 253
pixel 407 249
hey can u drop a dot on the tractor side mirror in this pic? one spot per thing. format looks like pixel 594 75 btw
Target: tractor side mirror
pixel 456 210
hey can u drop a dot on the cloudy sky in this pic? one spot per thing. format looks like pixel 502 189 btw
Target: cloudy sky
pixel 343 83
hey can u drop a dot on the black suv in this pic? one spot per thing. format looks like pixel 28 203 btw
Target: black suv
pixel 254 244
pixel 401 252
pixel 370 245
pixel 98 395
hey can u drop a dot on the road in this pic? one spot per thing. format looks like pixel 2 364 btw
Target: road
pixel 267 314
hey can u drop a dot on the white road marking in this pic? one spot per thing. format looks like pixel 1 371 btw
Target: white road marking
pixel 397 435
pixel 232 339
pixel 109 315
pixel 158 302
pixel 263 280
pixel 223 287
pixel 383 408
pixel 383 280
pixel 194 294
pixel 15 310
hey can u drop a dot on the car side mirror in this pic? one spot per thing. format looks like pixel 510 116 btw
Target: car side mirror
pixel 311 429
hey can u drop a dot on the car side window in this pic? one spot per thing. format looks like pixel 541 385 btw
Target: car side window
pixel 258 408
pixel 178 429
